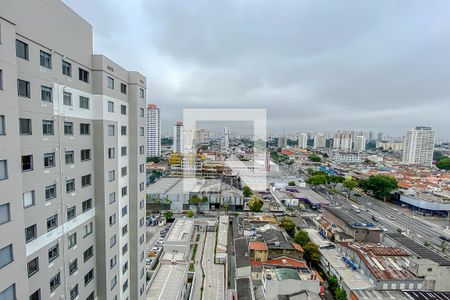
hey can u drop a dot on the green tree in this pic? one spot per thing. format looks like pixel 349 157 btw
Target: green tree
pixel 311 254
pixel 438 155
pixel 255 204
pixel 314 158
pixel 340 294
pixel 155 159
pixel 444 164
pixel 190 214
pixel 288 225
pixel 316 180
pixel 301 237
pixel 333 283
pixel 246 191
pixel 318 173
pixel 168 214
pixel 291 183
pixel 380 185
pixel 349 185
pixel 333 180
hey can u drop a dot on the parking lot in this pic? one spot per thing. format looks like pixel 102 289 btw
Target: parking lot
pixel 155 235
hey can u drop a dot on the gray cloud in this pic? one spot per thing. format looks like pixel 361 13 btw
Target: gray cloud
pixel 315 65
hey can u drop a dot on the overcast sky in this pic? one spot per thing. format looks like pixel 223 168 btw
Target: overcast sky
pixel 315 65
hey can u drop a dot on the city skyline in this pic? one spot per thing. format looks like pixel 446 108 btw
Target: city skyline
pixel 386 74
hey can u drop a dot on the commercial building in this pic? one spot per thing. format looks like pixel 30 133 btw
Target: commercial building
pixel 178 137
pixel 153 131
pixel 419 146
pixel 202 136
pixel 360 143
pixel 72 161
pixel 319 141
pixel 168 282
pixel 277 282
pixel 179 237
pixel 302 140
pixel 346 157
pixel 390 146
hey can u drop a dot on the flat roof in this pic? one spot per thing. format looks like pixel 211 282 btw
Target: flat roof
pixel 173 185
pixel 167 282
pixel 418 249
pixel 243 289
pixel 377 295
pixel 222 234
pixel 180 230
pixel 427 295
pixel 241 252
pixel 352 219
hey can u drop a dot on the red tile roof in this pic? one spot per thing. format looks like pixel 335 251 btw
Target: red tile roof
pixel 258 246
pixel 282 261
pixel 297 247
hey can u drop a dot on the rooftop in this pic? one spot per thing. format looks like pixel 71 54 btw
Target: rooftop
pixel 285 273
pixel 377 295
pixel 222 234
pixel 241 252
pixel 167 282
pixel 180 230
pixel 282 261
pixel 243 289
pixel 257 245
pixel 350 218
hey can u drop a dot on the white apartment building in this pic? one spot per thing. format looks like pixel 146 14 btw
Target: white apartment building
pixel 360 143
pixel 72 155
pixel 178 137
pixel 153 131
pixel 342 140
pixel 419 146
pixel 302 140
pixel 319 141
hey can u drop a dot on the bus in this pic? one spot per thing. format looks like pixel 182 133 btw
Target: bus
pixel 356 209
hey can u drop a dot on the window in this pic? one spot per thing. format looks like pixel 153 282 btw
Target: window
pixel 86 205
pixel 71 213
pixel 2 125
pixel 9 293
pixel 86 180
pixel 113 262
pixel 124 191
pixel 83 75
pixel 85 154
pixel 85 129
pixel 123 130
pixel 21 49
pixel 110 82
pixel 141 204
pixel 91 296
pixel 125 286
pixel 111 175
pixel 72 240
pixel 46 94
pixel 111 152
pixel 66 68
pixel 112 197
pixel 3 170
pixel 74 292
pixel 47 127
pixel 84 102
pixel 6 256
pixel 141 150
pixel 123 171
pixel 53 253
pixel 141 258
pixel 70 185
pixel 124 211
pixel 27 163
pixel 50 192
pixel 123 151
pixel 123 88
pixel 73 266
pixel 124 267
pixel 141 112
pixel 69 157
pixel 88 253
pixel 49 160
pixel 5 213
pixel 124 230
pixel 112 241
pixel 88 229
pixel 67 98
pixel 141 186
pixel 25 126
pixel 141 239
pixel 113 282
pixel 46 59
pixel 111 130
pixel 141 222
pixel 141 168
pixel 112 219
pixel 28 199
pixel 88 277
pixel 141 93
pixel 36 295
pixel 110 106
pixel 68 128
pixel 23 88
pixel 30 233
pixel 55 282
pixel 52 223
pixel 33 266
pixel 141 131
pixel 123 109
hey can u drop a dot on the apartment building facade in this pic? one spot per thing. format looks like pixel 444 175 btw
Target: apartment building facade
pixel 72 154
pixel 419 146
pixel 153 131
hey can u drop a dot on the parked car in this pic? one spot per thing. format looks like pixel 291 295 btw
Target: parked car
pixel 148 261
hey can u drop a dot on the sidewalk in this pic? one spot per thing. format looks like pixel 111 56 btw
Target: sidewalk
pixel 198 270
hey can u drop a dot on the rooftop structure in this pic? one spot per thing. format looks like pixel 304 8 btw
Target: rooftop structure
pixel 285 281
pixel 179 236
pixel 222 240
pixel 168 282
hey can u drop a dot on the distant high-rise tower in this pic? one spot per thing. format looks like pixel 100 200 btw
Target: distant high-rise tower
pixel 419 146
pixel 319 141
pixel 226 138
pixel 282 142
pixel 360 143
pixel 342 140
pixel 178 137
pixel 302 140
pixel 153 131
